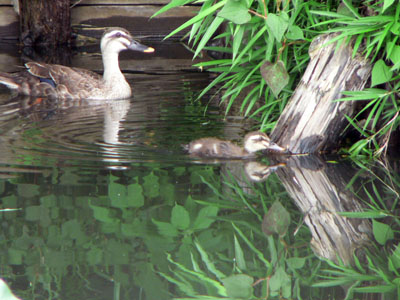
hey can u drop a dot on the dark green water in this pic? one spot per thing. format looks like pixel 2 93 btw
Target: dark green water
pixel 108 206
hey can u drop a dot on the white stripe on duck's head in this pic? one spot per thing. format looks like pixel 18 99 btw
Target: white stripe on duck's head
pixel 116 39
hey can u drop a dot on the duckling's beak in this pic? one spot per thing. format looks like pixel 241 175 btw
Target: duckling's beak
pixel 136 46
pixel 275 148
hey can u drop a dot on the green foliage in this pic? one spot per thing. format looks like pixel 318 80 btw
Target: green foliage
pixel 254 34
pixel 263 48
pixel 382 232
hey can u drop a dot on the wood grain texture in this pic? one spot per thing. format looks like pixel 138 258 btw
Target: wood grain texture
pixel 93 17
pixel 312 121
pixel 320 192
pixel 118 2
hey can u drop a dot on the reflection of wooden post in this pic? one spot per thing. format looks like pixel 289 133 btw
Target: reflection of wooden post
pixel 45 22
pixel 319 190
pixel 312 122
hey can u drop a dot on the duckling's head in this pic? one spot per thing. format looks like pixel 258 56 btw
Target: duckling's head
pixel 116 39
pixel 257 141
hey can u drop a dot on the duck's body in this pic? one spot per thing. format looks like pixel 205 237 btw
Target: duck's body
pixel 57 81
pixel 216 148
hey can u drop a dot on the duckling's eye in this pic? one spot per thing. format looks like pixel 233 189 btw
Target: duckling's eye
pixel 118 34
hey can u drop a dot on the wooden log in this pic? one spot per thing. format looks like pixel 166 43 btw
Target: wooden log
pixel 312 121
pixel 319 190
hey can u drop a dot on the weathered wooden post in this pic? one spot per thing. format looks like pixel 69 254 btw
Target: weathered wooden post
pixel 45 23
pixel 320 192
pixel 312 121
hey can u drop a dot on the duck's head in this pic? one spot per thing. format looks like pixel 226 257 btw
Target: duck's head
pixel 116 39
pixel 257 141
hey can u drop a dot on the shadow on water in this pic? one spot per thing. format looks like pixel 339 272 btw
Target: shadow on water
pixel 108 206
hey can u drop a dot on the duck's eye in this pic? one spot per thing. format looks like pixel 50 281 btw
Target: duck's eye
pixel 118 34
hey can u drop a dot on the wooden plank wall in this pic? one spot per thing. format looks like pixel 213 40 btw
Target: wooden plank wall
pixel 89 17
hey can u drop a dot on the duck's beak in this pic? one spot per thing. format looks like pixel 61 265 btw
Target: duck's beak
pixel 276 148
pixel 136 46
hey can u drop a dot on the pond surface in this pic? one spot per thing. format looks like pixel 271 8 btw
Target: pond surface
pixel 108 205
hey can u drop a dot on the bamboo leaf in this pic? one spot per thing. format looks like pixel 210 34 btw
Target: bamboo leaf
pixel 172 4
pixel 387 4
pixel 208 34
pixel 198 17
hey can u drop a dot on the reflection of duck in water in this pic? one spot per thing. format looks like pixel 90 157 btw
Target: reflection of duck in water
pixel 213 147
pixel 57 81
pixel 258 172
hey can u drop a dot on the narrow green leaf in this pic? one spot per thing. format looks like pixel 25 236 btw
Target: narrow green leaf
pixel 351 8
pixel 172 4
pixel 259 254
pixel 220 288
pixel 199 17
pixel 210 265
pixel 208 34
pixel 376 289
pixel 387 4
pixel 249 45
pixel 184 286
pixel 237 41
pixel 239 256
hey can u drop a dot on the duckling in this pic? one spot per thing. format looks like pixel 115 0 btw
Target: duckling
pixel 213 147
pixel 258 172
pixel 57 81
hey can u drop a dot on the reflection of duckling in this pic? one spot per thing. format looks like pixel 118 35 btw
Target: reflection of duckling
pixel 57 81
pixel 213 147
pixel 258 172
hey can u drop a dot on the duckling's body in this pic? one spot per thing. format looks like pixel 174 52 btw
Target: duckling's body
pixel 213 147
pixel 57 81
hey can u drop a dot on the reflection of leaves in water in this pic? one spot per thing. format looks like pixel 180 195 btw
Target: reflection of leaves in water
pixel 280 283
pixel 123 196
pixel 239 286
pixel 180 217
pixel 205 217
pixel 151 185
pixel 276 220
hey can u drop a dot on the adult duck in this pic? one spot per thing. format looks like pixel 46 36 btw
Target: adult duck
pixel 57 81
